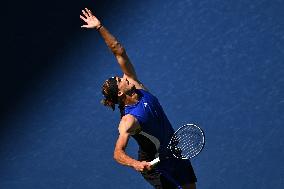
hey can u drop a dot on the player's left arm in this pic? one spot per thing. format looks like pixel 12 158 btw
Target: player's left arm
pixel 128 125
pixel 114 45
pixel 91 21
pixel 122 58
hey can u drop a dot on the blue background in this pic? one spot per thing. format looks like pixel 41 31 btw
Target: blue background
pixel 215 63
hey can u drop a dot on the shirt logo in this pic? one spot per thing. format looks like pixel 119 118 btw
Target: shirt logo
pixel 145 104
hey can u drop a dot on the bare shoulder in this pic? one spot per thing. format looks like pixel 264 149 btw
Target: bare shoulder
pixel 129 124
pixel 138 84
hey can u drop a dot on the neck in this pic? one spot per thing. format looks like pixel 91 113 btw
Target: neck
pixel 131 99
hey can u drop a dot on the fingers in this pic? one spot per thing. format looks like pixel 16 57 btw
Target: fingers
pixel 84 19
pixel 140 166
pixel 149 167
pixel 85 13
pixel 89 12
pixel 146 166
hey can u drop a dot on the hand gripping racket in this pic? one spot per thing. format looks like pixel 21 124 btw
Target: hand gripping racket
pixel 186 143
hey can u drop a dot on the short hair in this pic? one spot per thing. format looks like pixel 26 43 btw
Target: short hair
pixel 110 92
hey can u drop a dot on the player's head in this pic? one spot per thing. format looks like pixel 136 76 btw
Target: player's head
pixel 116 90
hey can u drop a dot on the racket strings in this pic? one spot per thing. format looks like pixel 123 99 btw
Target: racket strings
pixel 187 142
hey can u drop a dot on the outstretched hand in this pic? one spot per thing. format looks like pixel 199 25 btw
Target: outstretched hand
pixel 90 20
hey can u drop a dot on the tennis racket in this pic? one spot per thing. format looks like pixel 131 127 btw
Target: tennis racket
pixel 186 143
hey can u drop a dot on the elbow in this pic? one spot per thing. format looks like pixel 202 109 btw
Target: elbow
pixel 118 49
pixel 116 156
pixel 121 51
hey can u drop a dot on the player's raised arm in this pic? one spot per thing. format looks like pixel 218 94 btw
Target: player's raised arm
pixel 119 52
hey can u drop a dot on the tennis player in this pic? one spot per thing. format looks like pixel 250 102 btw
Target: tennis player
pixel 143 118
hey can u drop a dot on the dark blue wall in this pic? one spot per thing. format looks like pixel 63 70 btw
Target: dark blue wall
pixel 215 63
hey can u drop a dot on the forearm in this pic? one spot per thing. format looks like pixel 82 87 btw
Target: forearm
pixel 92 22
pixel 111 41
pixel 121 157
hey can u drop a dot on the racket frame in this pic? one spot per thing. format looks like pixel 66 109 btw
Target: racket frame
pixel 157 160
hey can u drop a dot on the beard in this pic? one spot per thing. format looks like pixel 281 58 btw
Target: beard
pixel 131 91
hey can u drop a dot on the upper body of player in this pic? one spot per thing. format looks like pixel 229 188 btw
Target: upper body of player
pixel 142 117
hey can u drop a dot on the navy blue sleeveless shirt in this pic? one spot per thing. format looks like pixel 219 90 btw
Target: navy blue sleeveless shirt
pixel 156 130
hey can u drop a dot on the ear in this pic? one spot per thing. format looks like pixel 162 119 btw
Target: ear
pixel 120 93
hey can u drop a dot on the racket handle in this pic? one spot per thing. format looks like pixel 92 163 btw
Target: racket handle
pixel 155 161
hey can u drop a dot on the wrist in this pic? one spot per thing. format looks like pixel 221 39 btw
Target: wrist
pixel 134 163
pixel 99 27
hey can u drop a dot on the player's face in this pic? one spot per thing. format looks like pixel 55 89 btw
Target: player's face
pixel 124 85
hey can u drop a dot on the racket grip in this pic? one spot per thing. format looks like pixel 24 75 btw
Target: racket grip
pixel 155 161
